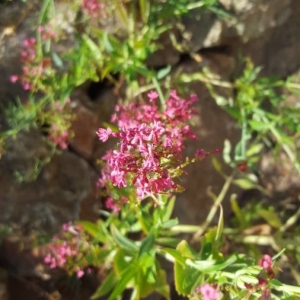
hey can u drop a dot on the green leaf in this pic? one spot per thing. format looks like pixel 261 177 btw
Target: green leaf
pixel 166 241
pixel 57 60
pixel 93 47
pixel 245 184
pixel 227 151
pixel 147 261
pixel 169 209
pixel 258 126
pixel 275 283
pixel 278 254
pixel 122 261
pixel 170 223
pixel 123 241
pixel 220 100
pixel 163 72
pixel 217 165
pixel 289 289
pixel 145 10
pixel 210 236
pixel 185 250
pixel 242 279
pixel 220 225
pixel 125 278
pixel 201 265
pixel 234 112
pixel 91 228
pixel 175 254
pixel 147 244
pixel 159 284
pixel 107 44
pixel 271 218
pixel 105 287
pixel 237 211
pixel 254 149
pixel 185 278
pixel 206 250
pixel 121 11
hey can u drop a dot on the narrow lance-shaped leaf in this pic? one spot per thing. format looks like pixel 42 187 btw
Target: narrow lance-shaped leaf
pixel 123 241
pixel 125 278
pixel 105 287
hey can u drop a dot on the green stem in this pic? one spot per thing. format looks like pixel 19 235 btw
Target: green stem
pixel 159 91
pixel 214 208
pixel 285 147
pixel 244 134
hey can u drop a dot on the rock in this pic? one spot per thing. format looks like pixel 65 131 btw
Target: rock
pixel 250 19
pixel 278 174
pixel 3 292
pixel 212 127
pixel 202 29
pixel 56 194
pixel 278 49
pixel 238 6
pixel 84 127
pixel 261 16
pixel 166 54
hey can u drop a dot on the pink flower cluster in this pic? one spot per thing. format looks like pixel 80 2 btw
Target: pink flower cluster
pixel 150 144
pixel 58 132
pixel 46 32
pixel 113 205
pixel 28 53
pixel 27 57
pixel 263 278
pixel 93 8
pixel 32 68
pixel 61 253
pixel 208 292
pixel 58 136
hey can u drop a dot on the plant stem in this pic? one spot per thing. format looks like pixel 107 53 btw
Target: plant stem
pixel 214 208
pixel 159 91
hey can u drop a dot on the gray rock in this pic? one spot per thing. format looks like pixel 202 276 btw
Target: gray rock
pixel 56 194
pixel 250 19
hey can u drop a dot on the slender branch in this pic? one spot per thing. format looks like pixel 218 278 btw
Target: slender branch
pixel 214 208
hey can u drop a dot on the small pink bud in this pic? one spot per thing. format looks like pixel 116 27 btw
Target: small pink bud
pixel 79 273
pixel 14 78
pixel 201 153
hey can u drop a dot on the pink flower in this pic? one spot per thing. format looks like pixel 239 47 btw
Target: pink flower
pixel 14 78
pixel 208 292
pixel 200 153
pixel 104 134
pixel 79 273
pixel 266 295
pixel 150 145
pixel 265 262
pixel 29 42
pixel 67 250
pixel 33 67
pixel 59 136
pixel 59 254
pixel 93 8
pixel 152 95
pixel 112 205
pixel 47 33
pixel 26 85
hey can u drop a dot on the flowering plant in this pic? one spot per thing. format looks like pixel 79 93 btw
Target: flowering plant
pixel 138 179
